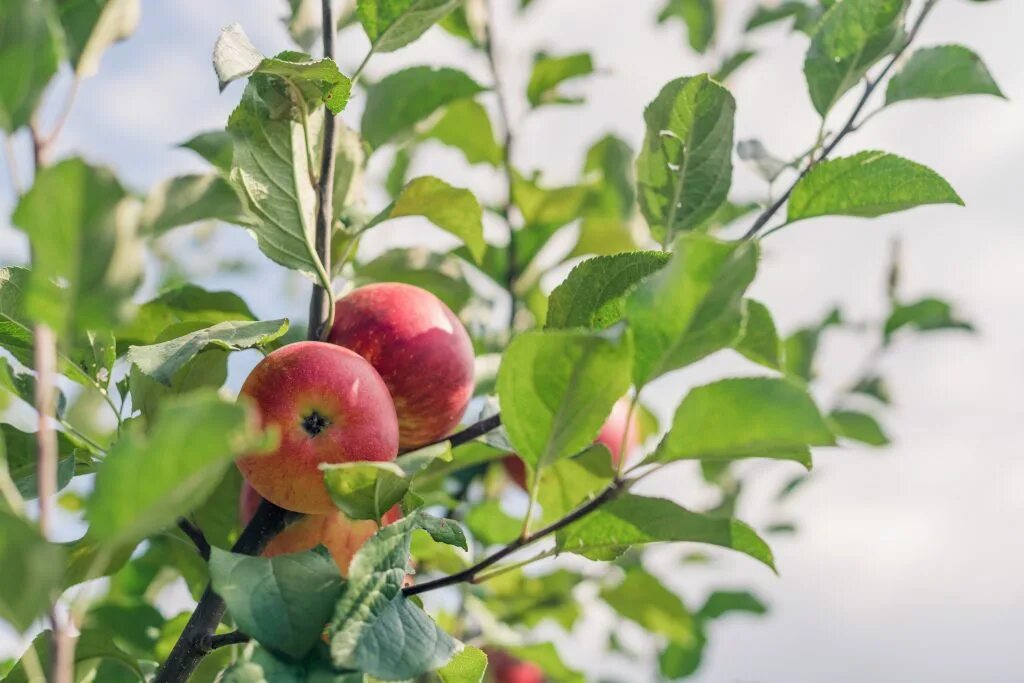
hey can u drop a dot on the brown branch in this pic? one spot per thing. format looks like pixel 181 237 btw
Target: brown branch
pixel 213 642
pixel 507 145
pixel 470 574
pixel 477 429
pixel 850 126
pixel 196 535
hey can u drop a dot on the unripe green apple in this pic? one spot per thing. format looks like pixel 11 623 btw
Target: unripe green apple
pixel 610 435
pixel 329 406
pixel 419 347
pixel 341 536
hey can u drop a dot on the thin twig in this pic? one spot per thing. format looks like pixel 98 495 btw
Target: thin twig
pixel 213 642
pixel 506 123
pixel 470 574
pixel 321 302
pixel 473 431
pixel 196 535
pixel 850 126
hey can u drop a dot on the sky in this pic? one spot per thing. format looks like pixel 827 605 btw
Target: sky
pixel 908 560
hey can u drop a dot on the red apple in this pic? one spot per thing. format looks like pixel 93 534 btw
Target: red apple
pixel 420 349
pixel 329 406
pixel 610 435
pixel 340 535
pixel 504 668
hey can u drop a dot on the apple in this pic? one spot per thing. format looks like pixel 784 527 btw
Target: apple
pixel 328 405
pixel 504 668
pixel 340 535
pixel 610 435
pixel 420 349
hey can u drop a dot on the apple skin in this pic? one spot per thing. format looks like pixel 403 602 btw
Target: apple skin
pixel 610 435
pixel 419 347
pixel 340 535
pixel 504 668
pixel 329 406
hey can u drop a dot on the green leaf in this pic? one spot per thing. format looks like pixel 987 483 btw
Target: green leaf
pixel 365 489
pixel 873 386
pixel 34 569
pixel 404 98
pixel 680 661
pixel 731 63
pixel 466 126
pixel 80 235
pixel 851 424
pixel 924 315
pixel 22 451
pixel 751 417
pixel 89 646
pixel 186 303
pixel 939 72
pixel 491 525
pixel 720 603
pixel 234 57
pixel 699 17
pixel 271 169
pixel 440 274
pixel 851 37
pixel 760 341
pixel 215 146
pixel 550 72
pixel 515 598
pixel 468 666
pixel 685 166
pixel 556 389
pixel 544 211
pixel 264 667
pixel 765 15
pixel 606 225
pixel 392 24
pixel 641 597
pixel 283 602
pixel 594 293
pixel 373 609
pixel 634 520
pixel 868 184
pixel 569 483
pixel 31 49
pixel 692 306
pixel 453 209
pixel 172 467
pixel 161 361
pixel 91 26
pixel 208 369
pixel 190 199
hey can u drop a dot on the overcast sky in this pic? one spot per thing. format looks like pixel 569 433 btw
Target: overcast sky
pixel 908 564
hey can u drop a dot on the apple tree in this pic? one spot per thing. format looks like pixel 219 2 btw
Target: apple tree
pixel 347 516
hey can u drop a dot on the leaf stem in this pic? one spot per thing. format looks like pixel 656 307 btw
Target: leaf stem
pixel 473 431
pixel 850 126
pixel 196 535
pixel 470 574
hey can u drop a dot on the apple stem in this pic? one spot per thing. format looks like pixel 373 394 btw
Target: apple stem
pixel 851 124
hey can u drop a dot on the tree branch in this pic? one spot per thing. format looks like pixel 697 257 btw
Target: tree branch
pixel 850 126
pixel 506 123
pixel 196 535
pixel 212 642
pixel 321 304
pixel 471 574
pixel 477 429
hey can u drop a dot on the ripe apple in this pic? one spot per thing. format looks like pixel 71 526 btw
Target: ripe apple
pixel 329 406
pixel 341 536
pixel 610 435
pixel 505 668
pixel 420 349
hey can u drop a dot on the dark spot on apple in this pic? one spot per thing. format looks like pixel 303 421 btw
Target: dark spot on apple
pixel 314 423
